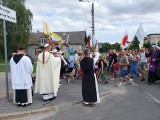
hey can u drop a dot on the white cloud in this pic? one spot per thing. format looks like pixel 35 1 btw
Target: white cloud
pixel 112 17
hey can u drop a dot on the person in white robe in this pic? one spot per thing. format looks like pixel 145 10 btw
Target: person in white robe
pixel 21 70
pixel 47 74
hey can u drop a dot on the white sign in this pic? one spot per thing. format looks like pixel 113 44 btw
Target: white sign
pixel 8 14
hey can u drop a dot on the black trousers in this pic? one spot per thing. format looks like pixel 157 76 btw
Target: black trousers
pixel 151 77
pixel 21 96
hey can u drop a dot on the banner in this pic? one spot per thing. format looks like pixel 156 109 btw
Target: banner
pixel 140 35
pixel 124 41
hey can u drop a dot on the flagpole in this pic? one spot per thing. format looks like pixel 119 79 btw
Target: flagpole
pixel 67 38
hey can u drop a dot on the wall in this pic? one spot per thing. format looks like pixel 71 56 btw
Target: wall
pixel 31 50
pixel 152 38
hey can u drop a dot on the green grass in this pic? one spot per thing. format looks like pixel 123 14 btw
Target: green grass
pixel 34 67
pixel 2 67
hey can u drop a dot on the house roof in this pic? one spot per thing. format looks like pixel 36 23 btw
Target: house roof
pixel 153 34
pixel 75 37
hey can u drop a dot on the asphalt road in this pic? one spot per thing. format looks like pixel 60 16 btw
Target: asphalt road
pixel 141 102
pixel 138 102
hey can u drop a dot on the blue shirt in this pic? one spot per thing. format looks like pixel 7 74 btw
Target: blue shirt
pixel 71 61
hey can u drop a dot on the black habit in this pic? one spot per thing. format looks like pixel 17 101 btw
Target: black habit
pixel 89 91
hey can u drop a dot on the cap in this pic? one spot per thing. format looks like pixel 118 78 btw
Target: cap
pixel 46 45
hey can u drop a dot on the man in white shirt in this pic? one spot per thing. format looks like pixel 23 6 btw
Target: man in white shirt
pixel 143 62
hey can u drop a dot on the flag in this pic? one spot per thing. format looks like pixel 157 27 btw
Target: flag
pixel 124 41
pixel 140 35
pixel 56 37
pixel 46 28
pixel 88 38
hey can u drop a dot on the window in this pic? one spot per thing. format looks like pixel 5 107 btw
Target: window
pixel 35 51
pixel 43 40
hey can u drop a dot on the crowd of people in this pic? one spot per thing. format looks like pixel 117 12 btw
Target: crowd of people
pixel 92 67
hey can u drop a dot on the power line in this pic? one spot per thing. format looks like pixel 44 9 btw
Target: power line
pixel 89 5
pixel 83 12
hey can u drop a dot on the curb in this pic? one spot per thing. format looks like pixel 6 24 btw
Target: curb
pixel 24 113
pixel 47 109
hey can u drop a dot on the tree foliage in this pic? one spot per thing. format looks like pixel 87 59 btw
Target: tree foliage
pixel 17 34
pixel 107 46
pixel 135 44
pixel 147 45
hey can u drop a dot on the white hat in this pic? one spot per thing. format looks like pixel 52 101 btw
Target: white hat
pixel 154 46
pixel 46 45
pixel 54 51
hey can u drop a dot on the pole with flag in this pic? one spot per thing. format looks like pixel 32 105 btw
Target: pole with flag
pixel 47 33
pixel 124 41
pixel 140 35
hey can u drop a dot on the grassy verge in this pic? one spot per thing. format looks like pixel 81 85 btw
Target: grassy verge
pixel 2 67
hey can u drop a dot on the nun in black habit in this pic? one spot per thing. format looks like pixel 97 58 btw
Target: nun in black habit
pixel 90 92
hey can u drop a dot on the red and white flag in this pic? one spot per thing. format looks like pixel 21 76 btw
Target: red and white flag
pixel 124 41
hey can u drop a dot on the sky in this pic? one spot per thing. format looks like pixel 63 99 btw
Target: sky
pixel 112 17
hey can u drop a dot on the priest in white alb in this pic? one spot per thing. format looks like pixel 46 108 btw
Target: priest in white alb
pixel 47 74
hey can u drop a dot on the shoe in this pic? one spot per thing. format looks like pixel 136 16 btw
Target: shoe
pixel 143 79
pixel 85 104
pixel 112 79
pixel 130 81
pixel 60 83
pixel 119 84
pixel 106 82
pixel 72 80
pixel 92 104
pixel 150 83
pixel 19 105
pixel 50 99
pixel 63 77
pixel 68 80
pixel 45 100
pixel 140 74
pixel 153 83
pixel 24 105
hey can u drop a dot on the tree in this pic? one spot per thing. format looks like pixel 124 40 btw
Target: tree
pixel 147 45
pixel 135 44
pixel 17 34
pixel 107 46
pixel 116 46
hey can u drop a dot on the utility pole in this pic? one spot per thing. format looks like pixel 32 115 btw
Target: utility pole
pixel 5 52
pixel 92 15
pixel 92 11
